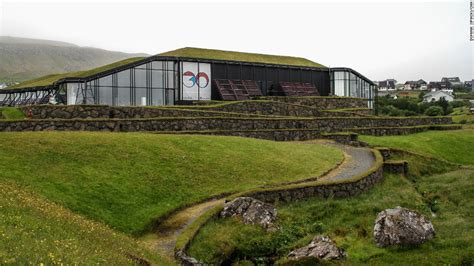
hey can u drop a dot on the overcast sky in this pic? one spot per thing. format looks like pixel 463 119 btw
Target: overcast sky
pixel 405 40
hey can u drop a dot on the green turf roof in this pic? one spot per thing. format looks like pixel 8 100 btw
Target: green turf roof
pixel 239 56
pixel 183 52
pixel 50 79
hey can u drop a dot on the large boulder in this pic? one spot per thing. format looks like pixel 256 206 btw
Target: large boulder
pixel 252 211
pixel 401 226
pixel 321 248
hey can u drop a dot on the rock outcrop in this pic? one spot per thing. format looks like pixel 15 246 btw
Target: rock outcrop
pixel 252 211
pixel 321 247
pixel 401 226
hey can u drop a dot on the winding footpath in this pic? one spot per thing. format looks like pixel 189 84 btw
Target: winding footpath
pixel 357 160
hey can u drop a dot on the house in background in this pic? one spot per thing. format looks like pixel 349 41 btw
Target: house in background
pixel 415 85
pixel 468 84
pixel 440 86
pixel 454 81
pixel 387 85
pixel 435 96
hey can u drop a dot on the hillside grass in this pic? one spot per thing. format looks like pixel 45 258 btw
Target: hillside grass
pixel 456 146
pixel 36 231
pixel 128 180
pixel 11 113
pixel 349 222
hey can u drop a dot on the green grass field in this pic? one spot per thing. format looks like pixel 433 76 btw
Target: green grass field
pixel 456 146
pixel 440 190
pixel 11 113
pixel 36 231
pixel 349 222
pixel 128 180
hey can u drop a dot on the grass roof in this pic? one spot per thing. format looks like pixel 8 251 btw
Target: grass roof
pixel 183 52
pixel 240 56
pixel 50 79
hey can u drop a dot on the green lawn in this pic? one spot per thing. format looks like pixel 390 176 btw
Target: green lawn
pixel 11 113
pixel 128 180
pixel 350 223
pixel 455 146
pixel 36 231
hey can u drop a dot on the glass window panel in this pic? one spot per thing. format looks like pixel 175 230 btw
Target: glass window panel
pixel 171 79
pixel 339 87
pixel 170 65
pixel 157 64
pixel 105 95
pixel 157 79
pixel 157 97
pixel 140 78
pixel 170 97
pixel 140 97
pixel 105 81
pixel 123 78
pixel 123 96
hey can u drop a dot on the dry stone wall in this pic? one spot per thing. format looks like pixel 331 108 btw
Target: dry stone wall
pixel 322 103
pixel 215 123
pixel 104 111
pixel 338 190
pixel 237 109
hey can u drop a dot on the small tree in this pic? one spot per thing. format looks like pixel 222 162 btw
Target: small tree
pixel 434 111
pixel 443 104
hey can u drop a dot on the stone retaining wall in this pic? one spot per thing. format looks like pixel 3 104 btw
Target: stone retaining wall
pixel 265 108
pixel 279 135
pixel 322 103
pixel 124 112
pixel 237 109
pixel 215 123
pixel 338 190
pixel 396 167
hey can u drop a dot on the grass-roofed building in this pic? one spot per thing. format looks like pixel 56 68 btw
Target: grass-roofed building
pixel 190 74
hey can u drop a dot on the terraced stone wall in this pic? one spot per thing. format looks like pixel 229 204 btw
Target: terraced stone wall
pixel 217 123
pixel 338 190
pixel 104 111
pixel 251 108
pixel 322 103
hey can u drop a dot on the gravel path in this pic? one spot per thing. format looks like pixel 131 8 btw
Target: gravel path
pixel 357 161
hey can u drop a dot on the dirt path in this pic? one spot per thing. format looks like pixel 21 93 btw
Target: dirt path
pixel 163 240
pixel 356 161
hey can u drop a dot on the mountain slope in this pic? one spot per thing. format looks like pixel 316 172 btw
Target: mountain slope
pixel 22 59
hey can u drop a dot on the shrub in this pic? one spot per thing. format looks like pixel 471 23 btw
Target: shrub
pixel 434 111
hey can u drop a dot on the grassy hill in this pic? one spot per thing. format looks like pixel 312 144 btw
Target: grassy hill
pixel 441 191
pixel 455 146
pixel 36 231
pixel 129 180
pixel 23 59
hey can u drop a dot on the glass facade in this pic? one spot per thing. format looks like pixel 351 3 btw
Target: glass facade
pixel 152 83
pixel 349 84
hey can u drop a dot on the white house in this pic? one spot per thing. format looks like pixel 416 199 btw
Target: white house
pixel 435 96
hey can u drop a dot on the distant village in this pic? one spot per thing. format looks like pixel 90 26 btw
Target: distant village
pixel 433 91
